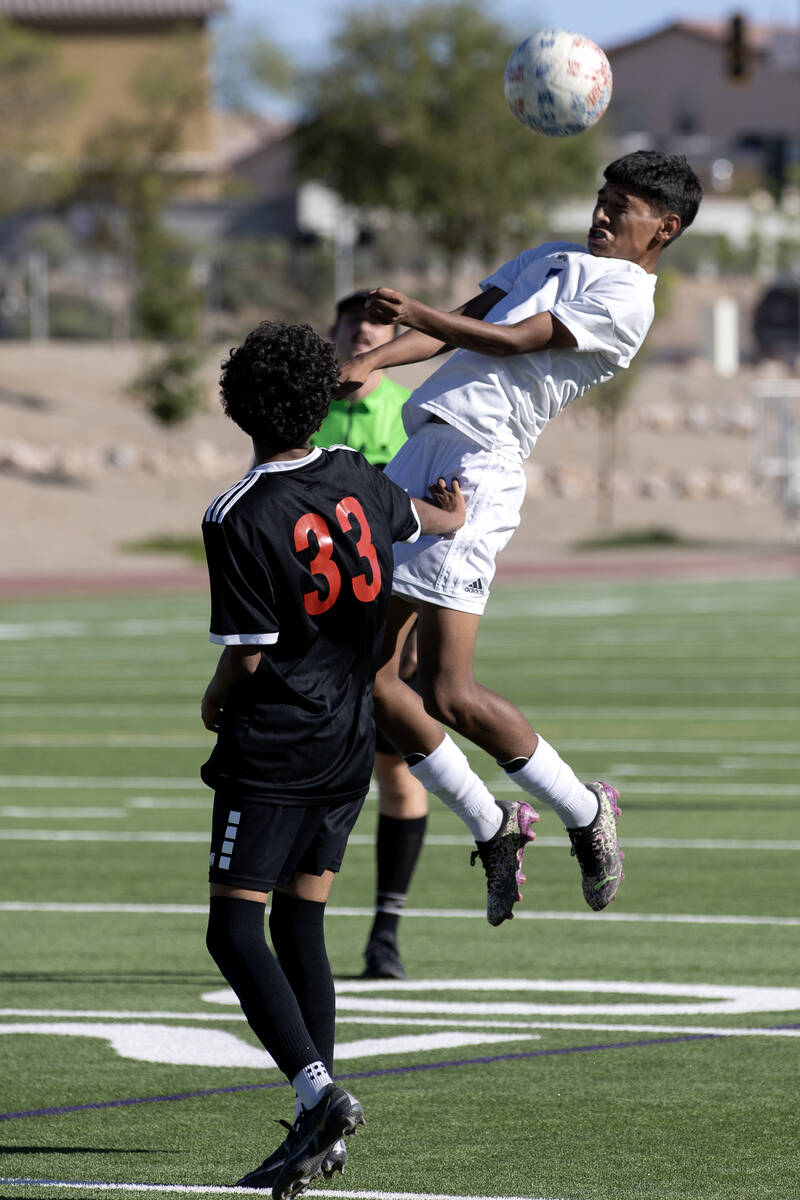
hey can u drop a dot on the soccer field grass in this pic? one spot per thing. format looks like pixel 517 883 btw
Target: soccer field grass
pixel 647 1052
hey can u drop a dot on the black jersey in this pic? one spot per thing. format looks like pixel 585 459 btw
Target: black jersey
pixel 300 563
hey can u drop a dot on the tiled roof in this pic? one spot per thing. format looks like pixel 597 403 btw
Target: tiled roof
pixel 760 34
pixel 108 10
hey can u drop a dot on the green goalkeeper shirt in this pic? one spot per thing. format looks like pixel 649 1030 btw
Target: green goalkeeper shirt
pixel 372 425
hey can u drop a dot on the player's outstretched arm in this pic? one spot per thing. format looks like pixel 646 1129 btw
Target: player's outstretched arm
pixel 412 346
pixel 540 332
pixel 236 663
pixel 447 513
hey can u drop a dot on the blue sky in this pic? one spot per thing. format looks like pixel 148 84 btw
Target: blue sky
pixel 302 27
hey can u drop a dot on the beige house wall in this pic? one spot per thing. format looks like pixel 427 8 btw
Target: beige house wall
pixel 665 83
pixel 108 62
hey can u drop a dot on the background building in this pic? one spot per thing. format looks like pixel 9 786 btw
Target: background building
pixel 105 43
pixel 727 96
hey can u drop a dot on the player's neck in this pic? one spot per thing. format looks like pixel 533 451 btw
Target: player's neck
pixel 264 454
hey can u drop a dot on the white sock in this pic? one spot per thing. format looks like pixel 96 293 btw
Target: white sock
pixel 310 1083
pixel 447 773
pixel 548 778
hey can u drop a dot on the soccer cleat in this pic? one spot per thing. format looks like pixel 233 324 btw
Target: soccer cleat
pixel 502 859
pixel 266 1175
pixel 382 961
pixel 596 847
pixel 335 1159
pixel 312 1139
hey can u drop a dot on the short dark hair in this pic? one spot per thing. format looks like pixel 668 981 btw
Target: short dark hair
pixel 278 385
pixel 666 181
pixel 353 300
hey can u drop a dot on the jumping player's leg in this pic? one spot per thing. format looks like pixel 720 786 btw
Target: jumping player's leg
pixel 451 693
pixel 449 580
pixel 501 830
pixel 401 714
pixel 454 697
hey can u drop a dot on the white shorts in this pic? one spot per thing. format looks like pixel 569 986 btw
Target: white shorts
pixel 456 571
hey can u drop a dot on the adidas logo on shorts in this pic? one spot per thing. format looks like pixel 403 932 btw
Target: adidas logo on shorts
pixel 476 588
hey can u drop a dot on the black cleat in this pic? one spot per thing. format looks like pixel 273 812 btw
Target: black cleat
pixel 312 1139
pixel 382 961
pixel 265 1175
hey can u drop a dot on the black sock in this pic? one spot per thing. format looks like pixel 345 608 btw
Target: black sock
pixel 398 845
pixel 513 764
pixel 298 935
pixel 236 941
pixel 413 759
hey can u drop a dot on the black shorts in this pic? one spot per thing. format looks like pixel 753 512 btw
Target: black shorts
pixel 262 846
pixel 382 743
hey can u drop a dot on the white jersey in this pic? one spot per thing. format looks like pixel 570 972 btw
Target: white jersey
pixel 503 404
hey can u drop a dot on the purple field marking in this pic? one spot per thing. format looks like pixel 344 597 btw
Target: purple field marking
pixel 404 1070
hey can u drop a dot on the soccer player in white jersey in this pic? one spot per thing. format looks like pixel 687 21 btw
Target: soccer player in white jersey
pixel 546 326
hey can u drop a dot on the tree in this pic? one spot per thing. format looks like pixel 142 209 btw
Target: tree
pixel 35 93
pixel 409 114
pixel 249 68
pixel 130 174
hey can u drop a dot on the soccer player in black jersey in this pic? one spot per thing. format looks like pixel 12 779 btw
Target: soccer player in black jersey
pixel 300 566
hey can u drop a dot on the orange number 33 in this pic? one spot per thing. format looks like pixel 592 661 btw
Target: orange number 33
pixel 364 589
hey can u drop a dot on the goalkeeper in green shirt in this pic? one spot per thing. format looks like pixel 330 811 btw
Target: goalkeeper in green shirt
pixel 370 421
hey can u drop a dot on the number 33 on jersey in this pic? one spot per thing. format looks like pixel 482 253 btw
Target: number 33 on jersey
pixel 300 563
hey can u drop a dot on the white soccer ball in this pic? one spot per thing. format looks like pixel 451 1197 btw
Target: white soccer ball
pixel 557 83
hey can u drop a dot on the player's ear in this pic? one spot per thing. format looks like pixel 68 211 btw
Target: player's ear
pixel 669 227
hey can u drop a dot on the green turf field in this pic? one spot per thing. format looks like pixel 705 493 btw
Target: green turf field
pixel 648 1052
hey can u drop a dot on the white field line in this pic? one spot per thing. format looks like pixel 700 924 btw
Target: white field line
pixel 676 712
pixel 428 1023
pixel 99 781
pixel 355 839
pixel 137 783
pixel 477 914
pixel 46 812
pixel 197 1190
pixel 124 741
pixel 632 745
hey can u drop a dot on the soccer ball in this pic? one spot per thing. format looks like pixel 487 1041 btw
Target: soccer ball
pixel 557 83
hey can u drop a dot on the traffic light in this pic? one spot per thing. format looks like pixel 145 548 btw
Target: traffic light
pixel 737 65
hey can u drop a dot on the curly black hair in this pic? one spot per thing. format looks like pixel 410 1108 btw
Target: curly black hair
pixel 278 385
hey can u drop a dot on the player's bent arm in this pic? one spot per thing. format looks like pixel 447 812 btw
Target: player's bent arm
pixel 236 663
pixel 540 332
pixel 412 346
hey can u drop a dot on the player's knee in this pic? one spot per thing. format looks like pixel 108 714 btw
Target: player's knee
pixel 453 706
pixel 228 934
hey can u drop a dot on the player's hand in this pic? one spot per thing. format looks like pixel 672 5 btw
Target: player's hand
pixel 353 374
pixel 451 499
pixel 210 712
pixel 389 307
